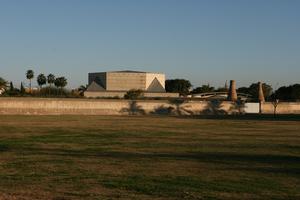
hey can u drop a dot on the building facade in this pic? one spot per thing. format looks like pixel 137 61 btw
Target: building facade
pixel 117 83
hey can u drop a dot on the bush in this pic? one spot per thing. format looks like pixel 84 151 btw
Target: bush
pixel 12 93
pixel 56 92
pixel 133 94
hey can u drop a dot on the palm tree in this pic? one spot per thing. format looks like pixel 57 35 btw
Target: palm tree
pixel 29 76
pixel 50 80
pixel 63 82
pixel 60 82
pixel 41 80
pixel 82 89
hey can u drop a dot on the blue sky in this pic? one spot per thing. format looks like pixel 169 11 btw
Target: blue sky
pixel 203 41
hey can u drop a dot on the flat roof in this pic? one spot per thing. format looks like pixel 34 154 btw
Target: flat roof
pixel 128 71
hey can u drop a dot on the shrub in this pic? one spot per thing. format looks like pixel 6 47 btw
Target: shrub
pixel 133 94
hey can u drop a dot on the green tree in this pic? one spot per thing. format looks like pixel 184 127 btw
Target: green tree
pixel 22 89
pixel 41 80
pixel 253 90
pixel 12 90
pixel 286 93
pixel 181 86
pixel 60 82
pixel 82 89
pixel 3 84
pixel 203 89
pixel 50 79
pixel 11 86
pixel 296 92
pixel 221 89
pixel 244 90
pixel 30 76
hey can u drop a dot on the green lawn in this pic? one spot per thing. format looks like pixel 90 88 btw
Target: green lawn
pixel 102 157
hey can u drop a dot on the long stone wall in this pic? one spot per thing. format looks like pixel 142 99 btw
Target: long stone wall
pixel 44 106
pixel 282 108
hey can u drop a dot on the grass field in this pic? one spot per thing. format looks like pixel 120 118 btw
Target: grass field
pixel 101 157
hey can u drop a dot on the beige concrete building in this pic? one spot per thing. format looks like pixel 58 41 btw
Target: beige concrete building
pixel 117 83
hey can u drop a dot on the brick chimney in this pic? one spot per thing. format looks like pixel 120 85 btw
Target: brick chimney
pixel 232 95
pixel 261 97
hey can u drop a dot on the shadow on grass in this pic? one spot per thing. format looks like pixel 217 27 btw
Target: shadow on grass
pixel 293 171
pixel 3 147
pixel 259 117
pixel 287 164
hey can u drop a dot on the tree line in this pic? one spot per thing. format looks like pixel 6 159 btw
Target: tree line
pixel 59 82
pixel 286 93
pixel 181 86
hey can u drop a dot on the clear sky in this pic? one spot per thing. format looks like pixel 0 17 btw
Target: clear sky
pixel 204 41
